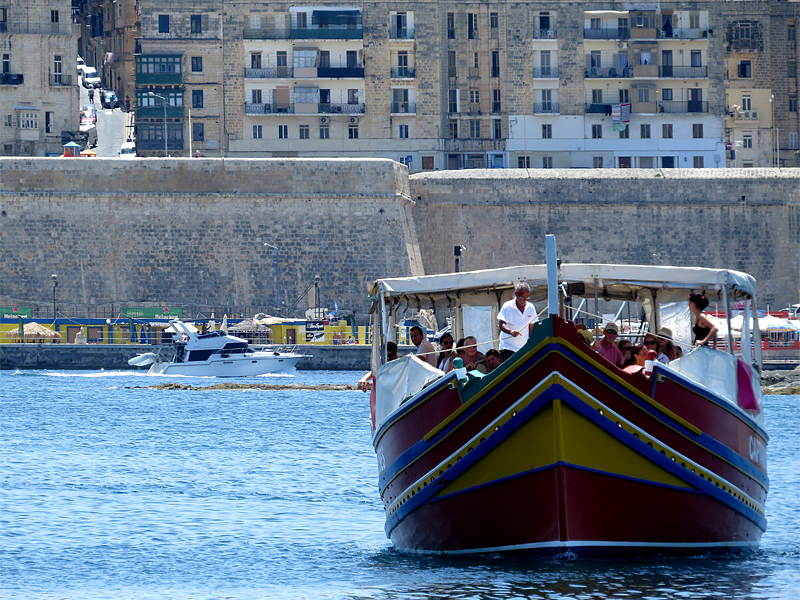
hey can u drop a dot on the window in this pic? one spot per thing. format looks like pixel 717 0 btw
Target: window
pixel 196 23
pixel 474 128
pixel 451 26
pixel 255 60
pixel 472 26
pixel 198 131
pixel 54 16
pixel 453 101
pixel 596 23
pixel 597 96
pixel 791 69
pixel 793 141
pixel 747 141
pixel 6 63
pixel 476 60
pixel 304 132
pixel 666 130
pixel 57 68
pixel 697 130
pixel 453 129
pixel 644 131
pixel 524 162
pixel 427 163
pixel 699 162
pixel 597 132
pixel 644 94
pixel 324 131
pixel 352 132
pixel 791 32
pixel 694 20
pixel 28 120
pixel 305 58
pixel 597 162
pixel 283 132
pixel 474 96
pixel 197 98
pixel 256 97
pixel 547 162
pixel 197 64
pixel 744 69
pixel 625 134
pixel 547 100
pixel 666 94
pixel 497 130
pixel 547 132
pixel 624 96
pixel 352 96
pixel 792 103
pixel 49 122
pixel 747 103
pixel 163 23
pixel 306 95
pixel 494 25
pixel 496 105
pixel 748 164
pixel 495 63
pixel 257 132
pixel 302 20
pixel 402 131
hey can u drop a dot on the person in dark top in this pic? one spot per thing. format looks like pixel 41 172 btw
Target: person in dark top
pixel 704 330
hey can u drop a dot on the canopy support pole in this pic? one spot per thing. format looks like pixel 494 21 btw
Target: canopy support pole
pixel 726 306
pixel 552 274
pixel 757 337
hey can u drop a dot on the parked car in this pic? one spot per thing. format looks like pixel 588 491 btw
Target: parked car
pixel 88 135
pixel 90 77
pixel 88 118
pixel 89 107
pixel 109 99
pixel 128 149
pixel 81 65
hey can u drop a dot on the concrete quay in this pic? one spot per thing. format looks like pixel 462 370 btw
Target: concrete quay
pixel 115 357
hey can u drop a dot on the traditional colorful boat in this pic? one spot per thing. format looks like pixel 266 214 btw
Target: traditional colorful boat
pixel 558 451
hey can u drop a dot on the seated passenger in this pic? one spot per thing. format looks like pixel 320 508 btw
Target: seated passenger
pixel 636 358
pixel 624 347
pixel 667 348
pixel 652 343
pixel 492 359
pixel 471 357
pixel 365 383
pixel 606 347
pixel 425 350
pixel 447 354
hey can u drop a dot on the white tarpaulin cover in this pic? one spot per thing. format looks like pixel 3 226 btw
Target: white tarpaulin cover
pixel 397 381
pixel 717 371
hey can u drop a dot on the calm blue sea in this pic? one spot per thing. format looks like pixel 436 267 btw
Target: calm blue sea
pixel 108 492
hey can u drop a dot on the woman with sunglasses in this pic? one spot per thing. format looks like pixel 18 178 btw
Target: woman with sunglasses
pixel 651 343
pixel 444 360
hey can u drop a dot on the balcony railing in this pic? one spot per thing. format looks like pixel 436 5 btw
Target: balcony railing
pixel 683 72
pixel 406 33
pixel 326 34
pixel 681 106
pixel 157 112
pixel 746 115
pixel 602 108
pixel 269 73
pixel 404 73
pixel 744 44
pixel 12 79
pixel 546 108
pixel 404 107
pixel 342 109
pixel 545 34
pixel 607 33
pixel 341 72
pixel 545 72
pixel 608 72
pixel 271 108
pixel 474 73
pixel 60 80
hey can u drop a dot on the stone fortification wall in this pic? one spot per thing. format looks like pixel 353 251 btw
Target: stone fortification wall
pixel 192 231
pixel 740 219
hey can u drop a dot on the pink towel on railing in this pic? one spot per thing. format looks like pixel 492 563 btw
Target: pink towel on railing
pixel 747 398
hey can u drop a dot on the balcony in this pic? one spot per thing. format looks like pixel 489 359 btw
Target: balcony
pixel 157 145
pixel 60 80
pixel 645 71
pixel 545 72
pixel 402 108
pixel 269 108
pixel 608 33
pixel 404 73
pixel 545 34
pixel 474 73
pixel 643 33
pixel 473 145
pixel 12 79
pixel 744 44
pixel 608 72
pixel 683 72
pixel 598 108
pixel 342 109
pixel 545 108
pixel 326 34
pixel 748 116
pixel 290 108
pixel 406 33
pixel 264 34
pixel 269 73
pixel 680 106
pixel 679 33
pixel 157 112
pixel 341 72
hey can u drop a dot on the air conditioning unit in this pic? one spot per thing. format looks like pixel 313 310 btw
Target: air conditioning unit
pixel 324 120
pixel 354 119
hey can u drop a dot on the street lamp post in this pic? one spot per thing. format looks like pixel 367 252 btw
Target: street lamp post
pixel 164 104
pixel 277 276
pixel 54 277
pixel 772 150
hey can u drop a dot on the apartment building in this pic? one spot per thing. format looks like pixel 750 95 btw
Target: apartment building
pixel 39 103
pixel 468 84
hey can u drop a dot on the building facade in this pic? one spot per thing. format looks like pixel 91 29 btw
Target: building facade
pixel 39 101
pixel 451 85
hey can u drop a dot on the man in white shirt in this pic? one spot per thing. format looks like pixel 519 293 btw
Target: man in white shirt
pixel 425 349
pixel 516 320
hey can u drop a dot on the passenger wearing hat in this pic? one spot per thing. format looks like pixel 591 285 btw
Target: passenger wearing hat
pixel 606 347
pixel 667 349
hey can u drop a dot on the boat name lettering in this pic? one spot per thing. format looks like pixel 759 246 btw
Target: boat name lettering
pixel 381 460
pixel 758 452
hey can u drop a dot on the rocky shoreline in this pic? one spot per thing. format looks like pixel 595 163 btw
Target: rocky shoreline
pixel 781 382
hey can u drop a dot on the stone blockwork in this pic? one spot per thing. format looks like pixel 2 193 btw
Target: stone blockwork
pixel 191 231
pixel 186 232
pixel 739 219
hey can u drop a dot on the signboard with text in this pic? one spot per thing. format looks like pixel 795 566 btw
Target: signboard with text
pixel 315 332
pixel 10 312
